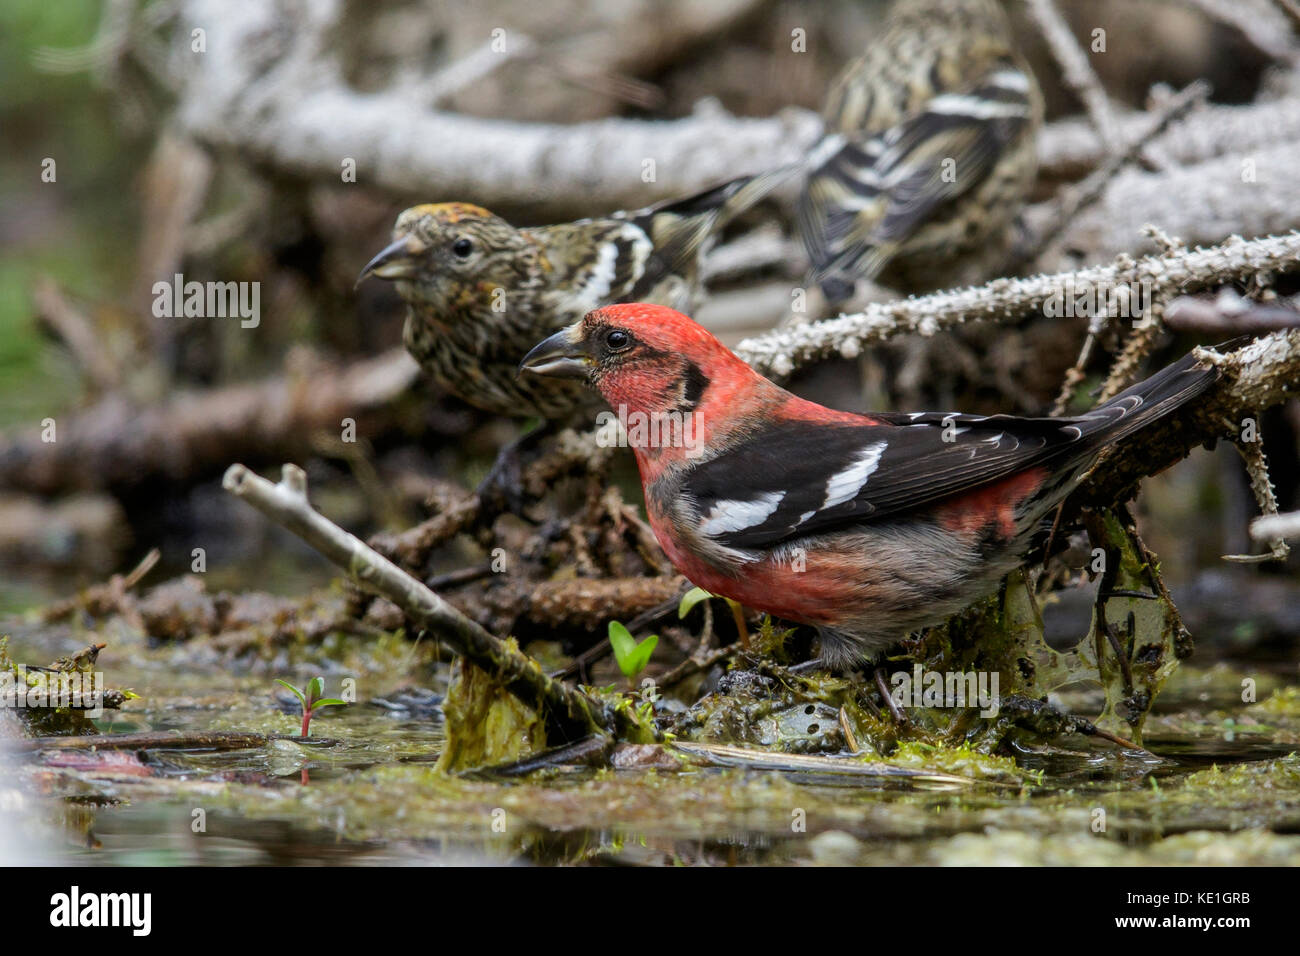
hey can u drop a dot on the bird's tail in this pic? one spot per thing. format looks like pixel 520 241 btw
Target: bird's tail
pixel 683 229
pixel 1151 399
pixel 727 200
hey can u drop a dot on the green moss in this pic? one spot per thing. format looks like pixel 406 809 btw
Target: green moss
pixel 963 760
pixel 485 723
pixel 1284 702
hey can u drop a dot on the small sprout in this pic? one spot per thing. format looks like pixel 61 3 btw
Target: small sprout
pixel 691 598
pixel 311 700
pixel 695 595
pixel 631 656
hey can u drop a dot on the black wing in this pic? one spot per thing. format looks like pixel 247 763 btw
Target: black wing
pixel 801 479
pixel 798 478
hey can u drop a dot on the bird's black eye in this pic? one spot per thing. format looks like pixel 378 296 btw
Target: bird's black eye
pixel 462 247
pixel 616 340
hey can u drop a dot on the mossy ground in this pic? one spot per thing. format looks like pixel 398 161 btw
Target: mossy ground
pixel 374 793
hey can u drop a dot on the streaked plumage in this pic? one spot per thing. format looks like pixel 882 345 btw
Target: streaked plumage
pixel 928 152
pixel 866 526
pixel 481 292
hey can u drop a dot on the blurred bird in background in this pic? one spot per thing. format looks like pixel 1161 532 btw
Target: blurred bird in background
pixel 927 156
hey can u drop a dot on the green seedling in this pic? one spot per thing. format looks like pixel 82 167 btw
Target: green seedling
pixel 695 595
pixel 311 700
pixel 631 656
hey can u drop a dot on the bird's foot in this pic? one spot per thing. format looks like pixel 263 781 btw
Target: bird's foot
pixel 502 490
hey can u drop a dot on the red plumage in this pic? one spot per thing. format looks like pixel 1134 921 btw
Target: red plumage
pixel 866 526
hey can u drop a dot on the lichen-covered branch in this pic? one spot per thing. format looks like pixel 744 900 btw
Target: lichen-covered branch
pixel 1257 376
pixel 279 96
pixel 1008 300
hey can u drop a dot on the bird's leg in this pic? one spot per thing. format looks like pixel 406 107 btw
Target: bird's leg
pixel 503 488
pixel 738 615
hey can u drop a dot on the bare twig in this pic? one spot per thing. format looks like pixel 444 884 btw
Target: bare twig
pixel 477 65
pixel 1229 314
pixel 1261 486
pixel 571 714
pixel 109 597
pixel 1083 194
pixel 78 332
pixel 695 664
pixel 1076 71
pixel 1291 10
pixel 1070 148
pixel 1138 346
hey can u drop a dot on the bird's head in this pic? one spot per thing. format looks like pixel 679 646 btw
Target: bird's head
pixel 647 359
pixel 454 257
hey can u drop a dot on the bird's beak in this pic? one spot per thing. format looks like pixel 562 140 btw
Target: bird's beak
pixel 397 260
pixel 563 355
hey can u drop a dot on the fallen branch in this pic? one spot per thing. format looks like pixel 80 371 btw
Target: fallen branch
pixel 290 106
pixel 1229 314
pixel 570 714
pixel 160 740
pixel 1009 300
pixel 1259 375
pixel 117 444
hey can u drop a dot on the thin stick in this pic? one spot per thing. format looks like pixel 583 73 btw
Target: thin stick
pixel 1089 729
pixel 1076 71
pixel 78 332
pixel 1291 10
pixel 693 665
pixel 1073 200
pixel 1261 486
pixel 159 740
pixel 570 713
pixel 1228 314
